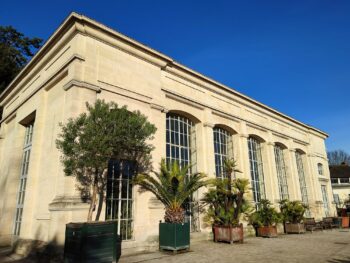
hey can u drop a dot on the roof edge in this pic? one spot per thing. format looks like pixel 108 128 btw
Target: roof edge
pixel 74 17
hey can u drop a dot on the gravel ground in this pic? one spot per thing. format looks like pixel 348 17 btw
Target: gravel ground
pixel 324 246
pixel 331 246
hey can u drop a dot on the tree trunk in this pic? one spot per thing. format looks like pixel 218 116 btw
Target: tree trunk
pixel 238 207
pixel 100 204
pixel 93 199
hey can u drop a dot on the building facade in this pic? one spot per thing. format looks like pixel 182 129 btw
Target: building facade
pixel 340 180
pixel 198 120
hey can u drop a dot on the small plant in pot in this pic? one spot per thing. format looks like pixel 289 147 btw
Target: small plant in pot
pixel 293 216
pixel 172 186
pixel 265 219
pixel 226 205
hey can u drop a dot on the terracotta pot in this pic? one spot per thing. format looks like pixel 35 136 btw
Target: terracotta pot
pixel 228 233
pixel 267 231
pixel 345 222
pixel 294 228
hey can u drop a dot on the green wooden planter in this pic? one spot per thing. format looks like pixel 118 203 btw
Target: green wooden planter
pixel 174 237
pixel 92 242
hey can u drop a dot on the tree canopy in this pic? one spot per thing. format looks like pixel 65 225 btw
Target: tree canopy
pixel 338 157
pixel 15 51
pixel 105 132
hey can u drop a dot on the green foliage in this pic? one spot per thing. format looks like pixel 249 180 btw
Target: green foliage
pixel 15 50
pixel 173 185
pixel 292 211
pixel 225 199
pixel 265 215
pixel 105 132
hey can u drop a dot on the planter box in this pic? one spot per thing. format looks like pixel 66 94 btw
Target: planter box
pixel 345 222
pixel 267 231
pixel 174 236
pixel 92 242
pixel 228 233
pixel 294 228
pixel 337 221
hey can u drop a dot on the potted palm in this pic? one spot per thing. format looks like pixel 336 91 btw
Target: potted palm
pixel 172 186
pixel 293 216
pixel 226 204
pixel 265 219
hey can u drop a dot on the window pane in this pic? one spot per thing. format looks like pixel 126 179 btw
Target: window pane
pixel 256 169
pixel 281 172
pixel 23 178
pixel 119 195
pixel 222 139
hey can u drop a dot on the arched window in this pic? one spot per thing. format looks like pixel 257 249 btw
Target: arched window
pixel 222 150
pixel 181 148
pixel 256 169
pixel 180 139
pixel 301 174
pixel 281 172
pixel 320 168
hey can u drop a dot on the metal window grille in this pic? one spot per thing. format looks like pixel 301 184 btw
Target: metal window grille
pixel 325 200
pixel 302 181
pixel 222 150
pixel 281 172
pixel 23 179
pixel 119 197
pixel 256 169
pixel 179 131
pixel 181 148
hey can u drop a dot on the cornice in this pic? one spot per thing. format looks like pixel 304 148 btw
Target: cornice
pixel 159 108
pixel 76 23
pixel 81 84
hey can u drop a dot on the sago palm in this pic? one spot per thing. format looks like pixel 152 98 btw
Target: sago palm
pixel 172 186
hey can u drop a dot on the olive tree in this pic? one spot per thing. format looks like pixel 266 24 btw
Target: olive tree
pixel 89 141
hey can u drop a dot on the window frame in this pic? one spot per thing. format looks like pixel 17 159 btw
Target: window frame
pixel 21 191
pixel 320 169
pixel 223 149
pixel 256 169
pixel 117 174
pixel 299 157
pixel 281 171
pixel 325 200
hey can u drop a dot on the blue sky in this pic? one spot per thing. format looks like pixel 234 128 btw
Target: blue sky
pixel 291 55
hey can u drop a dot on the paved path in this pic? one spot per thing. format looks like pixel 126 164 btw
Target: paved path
pixel 331 246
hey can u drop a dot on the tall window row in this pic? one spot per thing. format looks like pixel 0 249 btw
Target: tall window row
pixel 256 169
pixel 23 178
pixel 222 150
pixel 281 172
pixel 181 148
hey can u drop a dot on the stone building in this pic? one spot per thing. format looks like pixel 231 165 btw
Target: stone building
pixel 198 119
pixel 340 179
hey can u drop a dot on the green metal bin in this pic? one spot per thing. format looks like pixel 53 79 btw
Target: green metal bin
pixel 92 242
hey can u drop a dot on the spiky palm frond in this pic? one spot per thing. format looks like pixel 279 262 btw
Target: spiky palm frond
pixel 292 211
pixel 171 186
pixel 265 215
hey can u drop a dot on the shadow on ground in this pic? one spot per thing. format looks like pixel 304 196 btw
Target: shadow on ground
pixel 33 251
pixel 344 260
